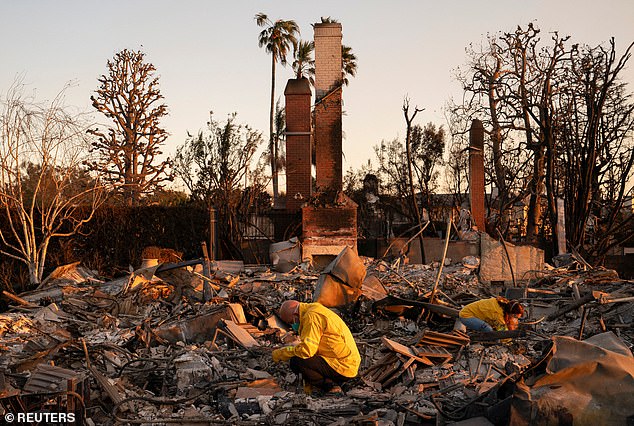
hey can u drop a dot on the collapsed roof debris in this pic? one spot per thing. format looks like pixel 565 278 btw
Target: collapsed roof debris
pixel 172 343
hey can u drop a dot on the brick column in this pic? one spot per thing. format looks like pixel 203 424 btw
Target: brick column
pixel 298 149
pixel 328 136
pixel 476 173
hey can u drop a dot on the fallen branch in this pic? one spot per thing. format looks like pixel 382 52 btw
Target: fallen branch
pixel 442 261
pixel 585 299
pixel 18 299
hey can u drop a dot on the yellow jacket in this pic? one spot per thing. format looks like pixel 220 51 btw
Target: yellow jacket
pixel 323 333
pixel 488 310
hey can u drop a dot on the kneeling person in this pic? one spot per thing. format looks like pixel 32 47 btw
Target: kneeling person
pixel 493 314
pixel 327 355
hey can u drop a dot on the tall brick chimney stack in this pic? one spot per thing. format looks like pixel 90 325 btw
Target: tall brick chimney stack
pixel 298 149
pixel 329 227
pixel 328 76
pixel 476 173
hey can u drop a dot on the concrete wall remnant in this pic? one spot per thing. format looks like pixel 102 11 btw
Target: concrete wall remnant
pixel 434 248
pixel 527 261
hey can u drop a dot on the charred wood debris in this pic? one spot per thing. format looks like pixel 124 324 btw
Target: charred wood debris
pixel 190 343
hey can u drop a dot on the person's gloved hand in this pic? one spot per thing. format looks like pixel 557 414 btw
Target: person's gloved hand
pixel 282 354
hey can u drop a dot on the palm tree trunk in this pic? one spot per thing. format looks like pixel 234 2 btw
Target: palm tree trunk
pixel 272 144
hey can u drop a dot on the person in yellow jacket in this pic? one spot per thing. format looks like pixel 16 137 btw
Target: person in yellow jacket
pixel 327 355
pixel 493 314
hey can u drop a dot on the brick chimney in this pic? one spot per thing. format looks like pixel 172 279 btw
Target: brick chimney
pixel 328 76
pixel 476 173
pixel 328 227
pixel 298 149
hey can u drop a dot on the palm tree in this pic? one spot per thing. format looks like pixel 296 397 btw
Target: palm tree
pixel 279 123
pixel 348 64
pixel 304 64
pixel 276 38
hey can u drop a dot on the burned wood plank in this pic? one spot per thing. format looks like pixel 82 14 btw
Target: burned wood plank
pixel 390 359
pixel 619 300
pixel 431 307
pixel 441 310
pixel 18 300
pixel 622 325
pixel 404 350
pixel 385 360
pixel 209 282
pixel 541 291
pixel 443 339
pixel 374 374
pixel 417 337
pixel 503 373
pixel 399 372
pixel 239 334
pixel 410 375
pixel 416 413
pixel 55 294
pixel 602 324
pixel 488 336
pixel 252 330
pixel 389 371
pixel 430 351
pixel 460 333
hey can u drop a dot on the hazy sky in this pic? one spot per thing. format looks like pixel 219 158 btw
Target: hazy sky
pixel 207 55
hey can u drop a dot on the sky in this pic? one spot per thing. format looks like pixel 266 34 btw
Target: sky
pixel 208 59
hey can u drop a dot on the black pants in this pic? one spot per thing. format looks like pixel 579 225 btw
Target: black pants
pixel 317 372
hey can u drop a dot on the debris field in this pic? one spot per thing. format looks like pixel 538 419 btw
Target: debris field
pixel 190 343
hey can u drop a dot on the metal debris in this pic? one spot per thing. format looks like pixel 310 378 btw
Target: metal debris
pixel 158 347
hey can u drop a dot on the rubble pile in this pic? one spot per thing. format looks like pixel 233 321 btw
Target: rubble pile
pixel 190 343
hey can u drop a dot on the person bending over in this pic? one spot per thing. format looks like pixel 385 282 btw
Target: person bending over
pixel 493 314
pixel 327 355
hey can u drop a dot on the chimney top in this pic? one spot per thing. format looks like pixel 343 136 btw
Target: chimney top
pixel 328 24
pixel 297 86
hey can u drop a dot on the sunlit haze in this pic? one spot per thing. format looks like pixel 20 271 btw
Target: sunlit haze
pixel 207 55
